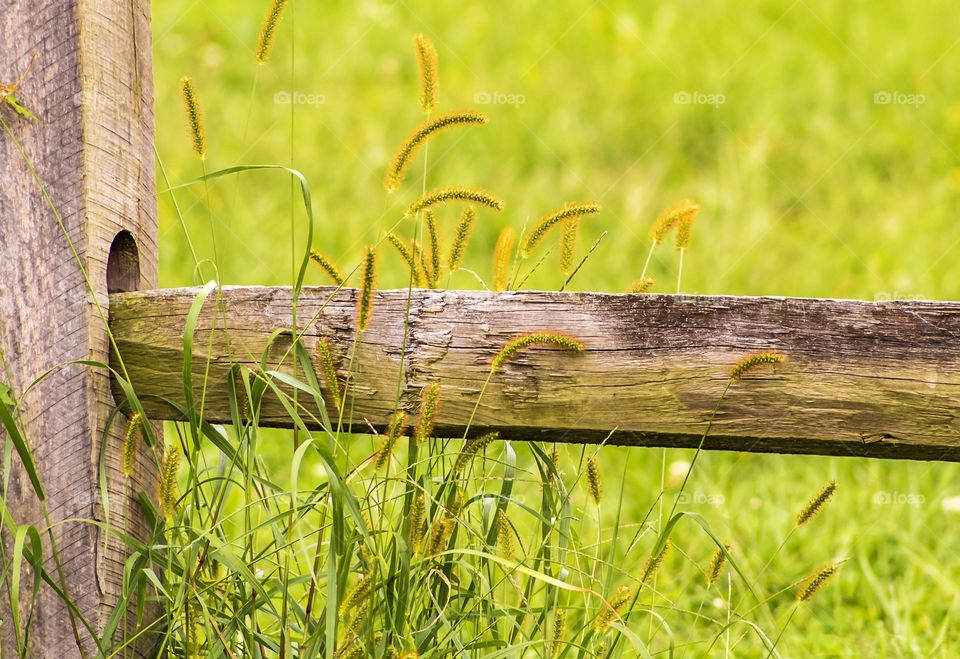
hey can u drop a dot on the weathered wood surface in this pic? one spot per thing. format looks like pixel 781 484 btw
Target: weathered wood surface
pixel 93 148
pixel 863 379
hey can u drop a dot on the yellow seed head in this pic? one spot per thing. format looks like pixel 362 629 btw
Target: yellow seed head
pixel 407 254
pixel 454 193
pixel 429 404
pixel 268 30
pixel 420 136
pixel 394 431
pixel 505 542
pixel 717 561
pixel 470 450
pixel 433 234
pixel 547 222
pixel 750 362
pixel 243 401
pixel 686 209
pixel 817 503
pixel 511 348
pixel 356 595
pixel 168 493
pixel 194 115
pixel 502 255
pixel 352 631
pixel 440 536
pixel 459 247
pixel 368 283
pixel 654 562
pixel 456 501
pixel 429 73
pixel 325 357
pixel 612 611
pixel 417 521
pixel 332 271
pixel 568 244
pixel 684 231
pixel 130 444
pixel 594 482
pixel 559 631
pixel 641 285
pixel 816 582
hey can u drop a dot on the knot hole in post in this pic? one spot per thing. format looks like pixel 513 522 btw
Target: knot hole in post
pixel 123 264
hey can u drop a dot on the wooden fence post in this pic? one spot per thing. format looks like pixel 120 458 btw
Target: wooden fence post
pixel 92 145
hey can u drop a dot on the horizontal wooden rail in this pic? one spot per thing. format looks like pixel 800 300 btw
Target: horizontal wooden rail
pixel 862 379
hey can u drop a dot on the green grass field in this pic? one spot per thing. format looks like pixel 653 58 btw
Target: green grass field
pixel 820 138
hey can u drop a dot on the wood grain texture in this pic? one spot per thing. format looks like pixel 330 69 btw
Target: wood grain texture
pixel 91 88
pixel 862 379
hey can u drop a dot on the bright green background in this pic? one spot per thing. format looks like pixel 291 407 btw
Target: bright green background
pixel 809 188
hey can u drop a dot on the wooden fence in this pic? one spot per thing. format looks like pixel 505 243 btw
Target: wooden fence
pixel 862 379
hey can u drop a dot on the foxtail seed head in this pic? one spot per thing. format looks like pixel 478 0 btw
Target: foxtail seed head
pixel 168 493
pixel 610 612
pixel 356 595
pixel 407 254
pixel 502 254
pixel 459 247
pixel 433 234
pixel 390 438
pixel 268 30
pixel 327 265
pixel 470 451
pixel 817 581
pixel 194 115
pixel 641 285
pixel 420 136
pixel 429 73
pixel 440 536
pixel 547 222
pixel 750 362
pixel 243 400
pixel 559 630
pixel 568 244
pixel 511 348
pixel 325 357
pixel 685 209
pixel 594 481
pixel 505 542
pixel 429 404
pixel 717 561
pixel 454 193
pixel 417 521
pixel 684 231
pixel 352 631
pixel 654 562
pixel 368 283
pixel 817 503
pixel 130 444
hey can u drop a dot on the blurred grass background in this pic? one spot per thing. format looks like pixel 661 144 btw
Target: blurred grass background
pixel 821 139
